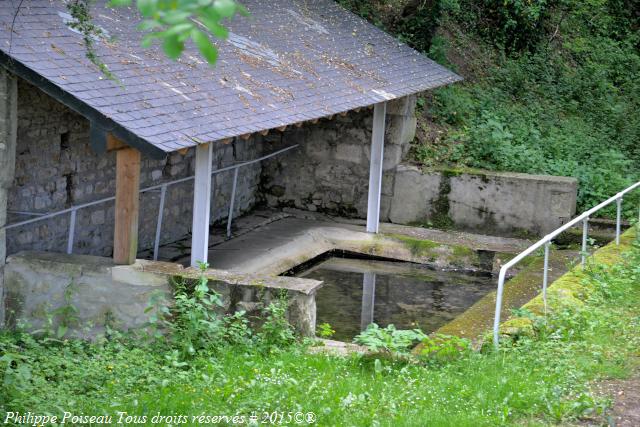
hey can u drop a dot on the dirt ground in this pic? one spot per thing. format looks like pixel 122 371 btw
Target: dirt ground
pixel 625 411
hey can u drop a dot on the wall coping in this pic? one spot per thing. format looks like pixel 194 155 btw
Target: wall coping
pixel 484 172
pixel 145 270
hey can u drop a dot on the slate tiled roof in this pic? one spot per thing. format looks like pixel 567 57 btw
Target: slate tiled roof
pixel 290 61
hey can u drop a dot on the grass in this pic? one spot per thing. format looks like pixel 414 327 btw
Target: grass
pixel 534 381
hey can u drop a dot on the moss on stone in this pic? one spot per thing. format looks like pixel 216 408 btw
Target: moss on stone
pixel 517 327
pixel 462 256
pixel 417 247
pixel 570 290
pixel 439 215
pixel 462 251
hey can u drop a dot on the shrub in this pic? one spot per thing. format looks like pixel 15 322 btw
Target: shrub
pixel 389 339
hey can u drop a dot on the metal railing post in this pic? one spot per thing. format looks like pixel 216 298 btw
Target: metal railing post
pixel 545 276
pixel 233 201
pixel 496 320
pixel 585 232
pixel 72 231
pixel 618 219
pixel 156 243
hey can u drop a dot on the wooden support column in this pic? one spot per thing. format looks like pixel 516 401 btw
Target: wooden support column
pixel 375 168
pixel 8 141
pixel 201 204
pixel 125 239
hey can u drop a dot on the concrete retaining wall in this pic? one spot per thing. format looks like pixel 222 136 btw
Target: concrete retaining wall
pixel 39 285
pixel 482 201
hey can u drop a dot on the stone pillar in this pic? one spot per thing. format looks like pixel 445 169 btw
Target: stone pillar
pixel 8 132
pixel 401 128
pixel 400 131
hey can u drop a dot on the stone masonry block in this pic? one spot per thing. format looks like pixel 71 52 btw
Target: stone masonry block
pixel 350 153
pixel 405 106
pixel 401 130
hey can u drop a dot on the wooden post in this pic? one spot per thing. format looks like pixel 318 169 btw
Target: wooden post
pixel 201 204
pixel 8 141
pixel 125 239
pixel 375 168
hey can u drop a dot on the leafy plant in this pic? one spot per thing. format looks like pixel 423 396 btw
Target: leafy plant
pixel 325 330
pixel 80 10
pixel 192 322
pixel 444 348
pixel 276 332
pixel 389 339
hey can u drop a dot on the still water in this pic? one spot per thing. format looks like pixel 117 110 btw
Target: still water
pixel 359 292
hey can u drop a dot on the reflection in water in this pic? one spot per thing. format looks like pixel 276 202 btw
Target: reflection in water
pixel 368 299
pixel 359 292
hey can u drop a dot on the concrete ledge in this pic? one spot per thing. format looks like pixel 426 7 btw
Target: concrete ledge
pixel 289 242
pixel 39 284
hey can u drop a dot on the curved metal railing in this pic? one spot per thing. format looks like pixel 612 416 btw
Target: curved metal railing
pixel 546 242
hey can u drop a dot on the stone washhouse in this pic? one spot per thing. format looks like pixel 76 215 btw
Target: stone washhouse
pixel 84 159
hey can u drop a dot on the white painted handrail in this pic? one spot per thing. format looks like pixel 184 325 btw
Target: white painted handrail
pixel 546 242
pixel 163 189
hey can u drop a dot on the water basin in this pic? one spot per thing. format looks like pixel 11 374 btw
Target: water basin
pixel 357 292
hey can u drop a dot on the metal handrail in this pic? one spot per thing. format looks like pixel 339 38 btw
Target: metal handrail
pixel 546 242
pixel 163 190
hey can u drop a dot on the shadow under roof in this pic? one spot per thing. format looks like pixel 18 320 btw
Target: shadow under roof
pixel 289 62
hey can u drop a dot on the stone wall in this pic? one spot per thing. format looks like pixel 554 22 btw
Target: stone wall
pixel 39 285
pixel 500 203
pixel 56 169
pixel 330 171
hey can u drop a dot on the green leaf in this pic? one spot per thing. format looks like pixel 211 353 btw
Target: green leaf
pixel 226 8
pixel 148 24
pixel 377 365
pixel 147 7
pixel 174 17
pixel 215 28
pixel 61 331
pixel 172 46
pixel 204 45
pixel 178 29
pixel 117 3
